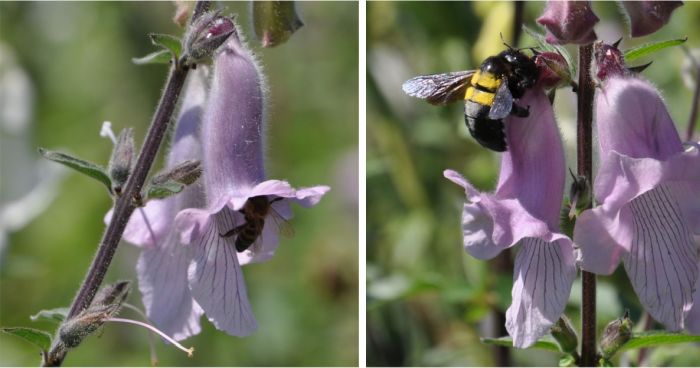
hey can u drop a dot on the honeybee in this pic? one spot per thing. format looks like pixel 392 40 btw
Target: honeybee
pixel 254 211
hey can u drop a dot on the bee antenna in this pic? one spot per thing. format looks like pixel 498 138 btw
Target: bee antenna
pixel 504 41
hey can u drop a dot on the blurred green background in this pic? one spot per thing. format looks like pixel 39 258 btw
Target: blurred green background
pixel 429 302
pixel 64 69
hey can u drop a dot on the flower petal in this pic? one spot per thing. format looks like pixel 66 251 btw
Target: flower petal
pixel 149 225
pixel 166 295
pixel 309 197
pixel 544 273
pixel 632 120
pixel 603 238
pixel 662 263
pixel 217 284
pixel 190 223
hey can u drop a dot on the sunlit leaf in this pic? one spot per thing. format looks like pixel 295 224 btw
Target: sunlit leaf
pixel 158 57
pixel 42 339
pixel 84 167
pixel 651 47
pixel 167 42
pixel 656 338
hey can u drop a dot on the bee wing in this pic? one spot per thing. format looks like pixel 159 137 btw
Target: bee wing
pixel 284 227
pixel 439 89
pixel 502 102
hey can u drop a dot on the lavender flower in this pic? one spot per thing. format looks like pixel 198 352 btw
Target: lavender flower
pixel 233 173
pixel 648 191
pixel 646 17
pixel 525 210
pixel 162 265
pixel 569 22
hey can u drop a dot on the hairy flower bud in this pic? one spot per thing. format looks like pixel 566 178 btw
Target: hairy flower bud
pixel 616 334
pixel 609 60
pixel 565 334
pixel 122 161
pixel 646 17
pixel 553 69
pixel 106 304
pixel 569 22
pixel 207 33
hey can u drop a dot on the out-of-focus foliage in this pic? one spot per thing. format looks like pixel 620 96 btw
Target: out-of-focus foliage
pixel 429 302
pixel 78 59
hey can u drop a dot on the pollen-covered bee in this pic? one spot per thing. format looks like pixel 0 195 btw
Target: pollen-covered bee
pixel 254 212
pixel 488 93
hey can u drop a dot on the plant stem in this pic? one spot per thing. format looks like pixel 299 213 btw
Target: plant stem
pixel 692 121
pixel 125 204
pixel 584 136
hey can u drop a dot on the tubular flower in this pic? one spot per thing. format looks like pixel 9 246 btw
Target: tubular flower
pixel 569 22
pixel 525 210
pixel 162 265
pixel 648 191
pixel 646 17
pixel 234 173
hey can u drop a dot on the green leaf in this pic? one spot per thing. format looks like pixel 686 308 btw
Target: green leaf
pixel 163 190
pixel 168 42
pixel 655 338
pixel 53 315
pixel 651 47
pixel 543 45
pixel 42 339
pixel 545 343
pixel 85 167
pixel 158 57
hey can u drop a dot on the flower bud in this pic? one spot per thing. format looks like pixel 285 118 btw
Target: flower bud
pixel 106 304
pixel 553 70
pixel 186 172
pixel 616 334
pixel 646 17
pixel 569 22
pixel 609 60
pixel 565 334
pixel 579 194
pixel 207 33
pixel 122 161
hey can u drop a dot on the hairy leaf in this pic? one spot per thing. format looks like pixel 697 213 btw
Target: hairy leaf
pixel 85 167
pixel 52 315
pixel 42 339
pixel 157 57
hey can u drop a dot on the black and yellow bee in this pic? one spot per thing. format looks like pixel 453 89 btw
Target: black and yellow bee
pixel 488 93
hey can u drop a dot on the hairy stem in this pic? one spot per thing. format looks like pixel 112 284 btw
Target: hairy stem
pixel 584 136
pixel 693 119
pixel 125 204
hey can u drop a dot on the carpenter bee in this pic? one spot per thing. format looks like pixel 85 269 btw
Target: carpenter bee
pixel 254 212
pixel 488 93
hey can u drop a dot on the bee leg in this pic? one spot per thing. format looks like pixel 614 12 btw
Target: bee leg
pixel 520 111
pixel 232 232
